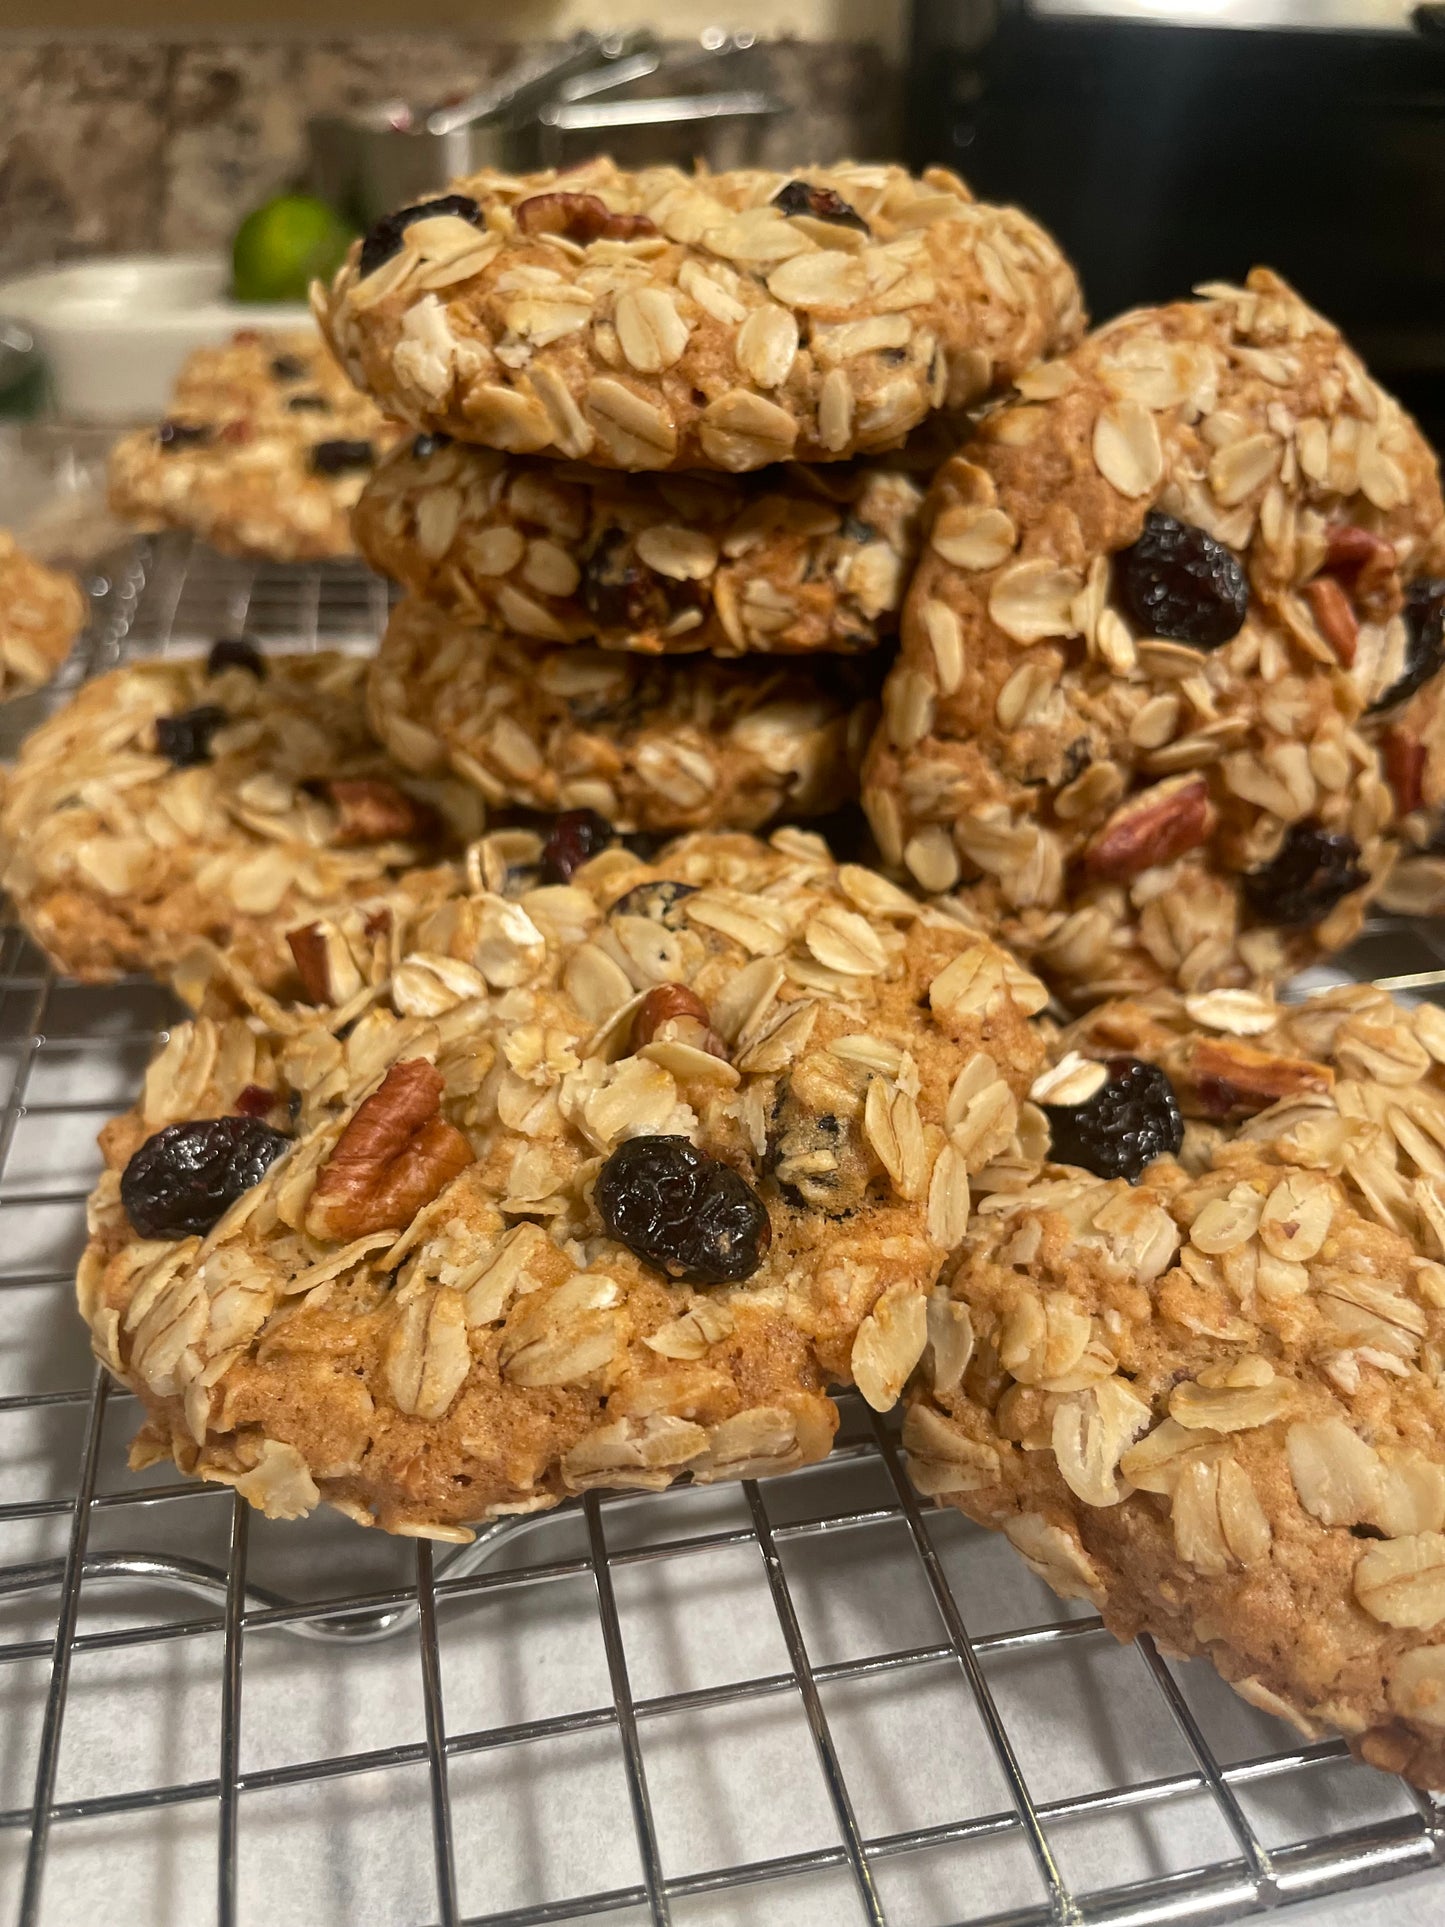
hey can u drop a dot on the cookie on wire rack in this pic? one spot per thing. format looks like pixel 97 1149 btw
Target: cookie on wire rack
pixel 648 743
pixel 42 611
pixel 1189 1360
pixel 170 801
pixel 788 561
pixel 594 1182
pixel 263 454
pixel 660 320
pixel 1171 600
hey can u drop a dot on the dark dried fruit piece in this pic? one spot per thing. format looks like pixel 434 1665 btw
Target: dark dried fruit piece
pixel 619 592
pixel 1424 614
pixel 174 435
pixel 186 738
pixel 424 445
pixel 577 835
pixel 1133 1118
pixel 236 652
pixel 181 1181
pixel 823 203
pixel 682 1211
pixel 658 900
pixel 384 240
pixel 255 1100
pixel 1315 868
pixel 334 458
pixel 307 404
pixel 1178 582
pixel 288 368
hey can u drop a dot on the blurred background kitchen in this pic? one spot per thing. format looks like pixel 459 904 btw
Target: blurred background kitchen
pixel 1151 135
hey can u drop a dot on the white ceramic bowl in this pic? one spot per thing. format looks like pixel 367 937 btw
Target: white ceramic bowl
pixel 114 331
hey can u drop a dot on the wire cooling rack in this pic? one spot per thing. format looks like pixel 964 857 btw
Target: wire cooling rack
pixel 794 1703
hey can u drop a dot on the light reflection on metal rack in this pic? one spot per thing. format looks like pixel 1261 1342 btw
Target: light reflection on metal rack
pixel 171 598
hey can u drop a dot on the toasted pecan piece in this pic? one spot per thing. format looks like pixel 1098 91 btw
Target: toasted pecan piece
pixel 396 1155
pixel 579 217
pixel 1155 826
pixel 371 810
pixel 1230 1079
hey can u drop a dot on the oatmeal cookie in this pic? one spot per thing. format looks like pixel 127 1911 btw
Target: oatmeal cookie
pixel 264 452
pixel 42 611
pixel 170 801
pixel 660 320
pixel 1412 750
pixel 788 561
pixel 1168 600
pixel 1189 1353
pixel 563 1184
pixel 650 745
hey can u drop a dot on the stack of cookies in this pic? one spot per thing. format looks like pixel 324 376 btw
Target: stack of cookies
pixel 675 435
pixel 497 1167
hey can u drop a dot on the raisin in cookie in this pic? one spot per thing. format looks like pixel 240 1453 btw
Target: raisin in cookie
pixel 788 561
pixel 1168 599
pixel 264 452
pixel 1188 1358
pixel 42 611
pixel 590 1183
pixel 650 745
pixel 174 800
pixel 660 320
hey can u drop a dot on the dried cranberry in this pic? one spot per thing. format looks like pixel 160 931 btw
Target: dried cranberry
pixel 686 1213
pixel 288 368
pixel 334 458
pixel 618 591
pixel 425 445
pixel 1178 582
pixel 307 404
pixel 659 901
pixel 1130 1120
pixel 186 738
pixel 577 835
pixel 181 1181
pixel 1315 867
pixel 174 435
pixel 384 240
pixel 236 652
pixel 823 203
pixel 255 1100
pixel 1424 614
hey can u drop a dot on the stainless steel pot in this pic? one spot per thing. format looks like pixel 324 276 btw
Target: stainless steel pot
pixel 378 158
pixel 618 93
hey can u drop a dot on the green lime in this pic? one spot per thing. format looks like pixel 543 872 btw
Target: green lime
pixel 283 245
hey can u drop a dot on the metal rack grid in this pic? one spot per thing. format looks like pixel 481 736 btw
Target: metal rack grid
pixel 804 1701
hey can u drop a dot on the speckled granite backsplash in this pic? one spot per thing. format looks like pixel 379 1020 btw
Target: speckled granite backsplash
pixel 116 146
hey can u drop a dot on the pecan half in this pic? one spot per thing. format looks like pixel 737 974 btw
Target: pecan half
pixel 682 1014
pixel 1154 827
pixel 1404 759
pixel 371 810
pixel 396 1155
pixel 579 217
pixel 1334 616
pixel 1228 1079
